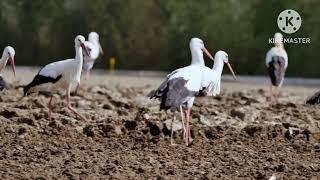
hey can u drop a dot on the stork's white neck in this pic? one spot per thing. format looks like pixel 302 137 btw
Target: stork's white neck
pixel 218 65
pixel 197 56
pixel 79 59
pixel 79 55
pixel 3 61
pixel 78 64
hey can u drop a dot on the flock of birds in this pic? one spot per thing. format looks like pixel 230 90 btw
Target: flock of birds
pixel 182 86
pixel 61 74
pixel 176 93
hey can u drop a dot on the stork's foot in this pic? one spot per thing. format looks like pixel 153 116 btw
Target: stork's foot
pixel 77 114
pixel 49 117
pixel 189 142
pixel 172 143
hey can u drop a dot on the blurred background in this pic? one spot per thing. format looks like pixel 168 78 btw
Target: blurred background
pixel 154 34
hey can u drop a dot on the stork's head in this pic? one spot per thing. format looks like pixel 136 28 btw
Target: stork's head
pixel 79 42
pixel 222 55
pixel 94 38
pixel 8 54
pixel 197 47
pixel 278 39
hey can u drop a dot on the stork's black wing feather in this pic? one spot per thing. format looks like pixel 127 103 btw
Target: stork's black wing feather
pixel 38 80
pixel 315 99
pixel 276 70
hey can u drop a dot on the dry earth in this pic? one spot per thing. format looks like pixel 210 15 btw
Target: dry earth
pixel 237 135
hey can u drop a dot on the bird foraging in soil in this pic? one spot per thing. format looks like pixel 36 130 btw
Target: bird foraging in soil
pixel 94 47
pixel 60 75
pixel 211 78
pixel 277 63
pixel 7 55
pixel 178 91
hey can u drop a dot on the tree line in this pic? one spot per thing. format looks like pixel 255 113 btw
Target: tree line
pixel 154 34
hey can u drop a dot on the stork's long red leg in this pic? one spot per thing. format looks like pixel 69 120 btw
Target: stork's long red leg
pixel 271 93
pixel 277 94
pixel 183 122
pixel 187 112
pixel 70 107
pixel 188 127
pixel 50 107
pixel 87 74
pixel 186 124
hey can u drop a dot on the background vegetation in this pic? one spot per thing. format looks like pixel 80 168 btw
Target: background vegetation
pixel 154 34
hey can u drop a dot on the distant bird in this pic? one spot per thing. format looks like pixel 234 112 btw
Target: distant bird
pixel 178 91
pixel 95 49
pixel 7 55
pixel 277 63
pixel 60 75
pixel 211 78
pixel 315 99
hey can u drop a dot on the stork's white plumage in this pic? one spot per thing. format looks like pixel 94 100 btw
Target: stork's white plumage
pixel 211 78
pixel 277 63
pixel 178 91
pixel 7 55
pixel 277 50
pixel 95 49
pixel 60 75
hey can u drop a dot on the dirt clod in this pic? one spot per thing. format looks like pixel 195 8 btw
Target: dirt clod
pixel 89 131
pixel 130 125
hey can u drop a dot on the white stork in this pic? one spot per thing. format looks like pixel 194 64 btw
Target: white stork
pixel 277 63
pixel 181 86
pixel 60 75
pixel 95 49
pixel 7 55
pixel 211 78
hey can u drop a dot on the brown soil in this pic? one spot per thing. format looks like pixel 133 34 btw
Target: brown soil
pixel 237 135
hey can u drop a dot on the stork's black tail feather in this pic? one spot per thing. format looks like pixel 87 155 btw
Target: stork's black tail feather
pixel 38 80
pixel 157 94
pixel 315 99
pixel 276 70
pixel 161 94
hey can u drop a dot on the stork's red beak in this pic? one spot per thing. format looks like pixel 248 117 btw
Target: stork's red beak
pixel 231 70
pixel 11 61
pixel 100 48
pixel 85 49
pixel 207 53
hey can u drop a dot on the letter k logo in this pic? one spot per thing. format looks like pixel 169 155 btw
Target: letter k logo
pixel 288 21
